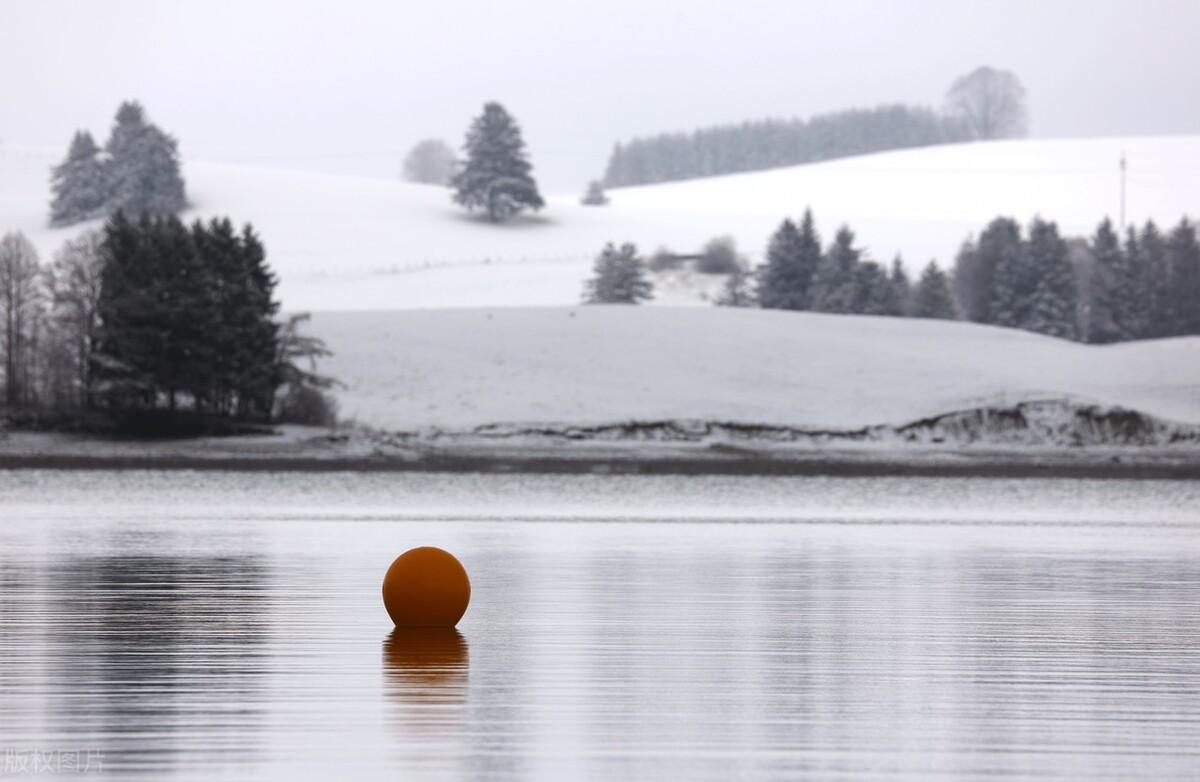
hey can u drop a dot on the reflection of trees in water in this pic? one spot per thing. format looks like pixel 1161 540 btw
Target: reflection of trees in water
pixel 19 664
pixel 155 654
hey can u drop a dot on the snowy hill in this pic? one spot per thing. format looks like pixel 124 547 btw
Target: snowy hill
pixel 460 369
pixel 354 243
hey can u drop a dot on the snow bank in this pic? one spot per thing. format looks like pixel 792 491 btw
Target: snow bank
pixel 342 242
pixel 458 369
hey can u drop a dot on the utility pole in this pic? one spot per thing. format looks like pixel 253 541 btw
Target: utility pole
pixel 1123 166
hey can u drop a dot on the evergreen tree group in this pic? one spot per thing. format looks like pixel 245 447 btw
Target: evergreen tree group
pixel 186 312
pixel 136 172
pixel 1147 288
pixel 149 314
pixel 496 176
pixel 619 277
pixel 983 104
pixel 771 143
pixel 798 275
pixel 1099 290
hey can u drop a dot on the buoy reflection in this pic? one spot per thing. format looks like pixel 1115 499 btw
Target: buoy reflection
pixel 425 677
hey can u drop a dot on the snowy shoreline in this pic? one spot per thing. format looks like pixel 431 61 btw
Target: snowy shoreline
pixel 300 449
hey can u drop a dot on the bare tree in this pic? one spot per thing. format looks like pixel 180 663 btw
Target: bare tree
pixel 73 281
pixel 990 104
pixel 430 162
pixel 303 398
pixel 20 301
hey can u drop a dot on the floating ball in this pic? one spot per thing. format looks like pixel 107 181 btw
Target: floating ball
pixel 426 587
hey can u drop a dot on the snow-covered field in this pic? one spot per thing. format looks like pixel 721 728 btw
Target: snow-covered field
pixel 342 242
pixel 459 369
pixel 524 354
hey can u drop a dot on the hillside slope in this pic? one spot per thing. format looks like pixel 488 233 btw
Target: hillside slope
pixel 461 369
pixel 353 243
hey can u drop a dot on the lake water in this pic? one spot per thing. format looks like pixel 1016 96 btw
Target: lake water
pixel 197 625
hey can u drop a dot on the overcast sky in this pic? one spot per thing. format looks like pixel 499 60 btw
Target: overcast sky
pixel 351 85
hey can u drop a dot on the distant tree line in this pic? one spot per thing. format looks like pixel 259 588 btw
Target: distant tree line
pixel 984 104
pixel 1102 289
pixel 772 143
pixel 151 315
pixel 137 172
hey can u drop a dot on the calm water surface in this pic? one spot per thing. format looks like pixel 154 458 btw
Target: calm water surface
pixel 201 625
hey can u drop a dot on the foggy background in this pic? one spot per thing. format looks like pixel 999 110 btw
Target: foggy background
pixel 351 86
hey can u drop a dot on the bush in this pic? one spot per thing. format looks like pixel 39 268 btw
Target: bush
pixel 719 256
pixel 595 195
pixel 308 406
pixel 737 291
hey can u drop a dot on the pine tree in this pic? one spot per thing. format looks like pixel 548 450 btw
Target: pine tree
pixel 999 247
pixel 79 183
pixel 1136 320
pixel 259 376
pixel 1183 270
pixel 1051 306
pixel 130 337
pixel 217 244
pixel 975 267
pixel 496 176
pixel 1111 297
pixel 872 290
pixel 189 286
pixel 793 257
pixel 1158 298
pixel 970 296
pixel 834 282
pixel 619 278
pixel 243 334
pixel 1013 283
pixel 932 297
pixel 143 166
pixel 899 291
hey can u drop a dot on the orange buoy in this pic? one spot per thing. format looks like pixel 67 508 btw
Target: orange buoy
pixel 426 587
